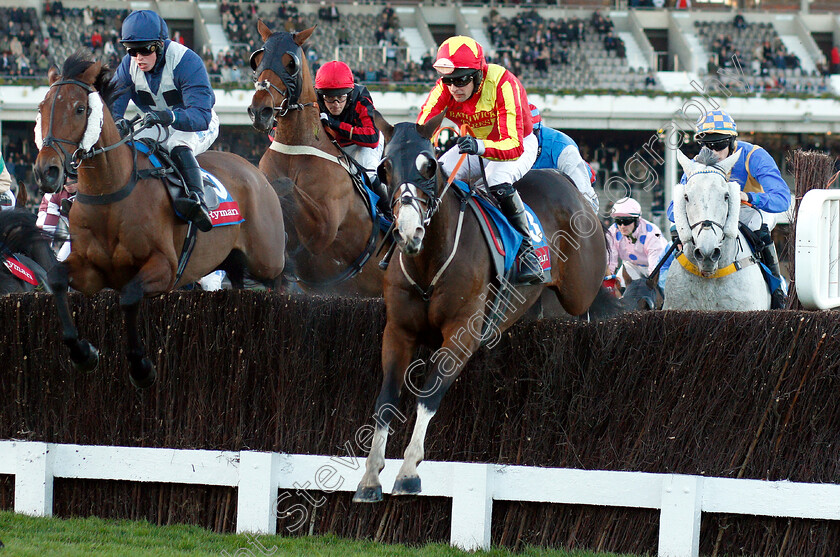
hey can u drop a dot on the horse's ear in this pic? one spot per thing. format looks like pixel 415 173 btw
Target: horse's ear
pixel 90 74
pixel 383 126
pixel 53 74
pixel 686 163
pixel 427 130
pixel 301 37
pixel 727 163
pixel 263 29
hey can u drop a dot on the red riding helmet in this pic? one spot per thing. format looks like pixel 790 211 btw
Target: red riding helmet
pixel 459 56
pixel 334 78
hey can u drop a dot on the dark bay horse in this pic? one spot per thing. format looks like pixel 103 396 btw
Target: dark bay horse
pixel 329 226
pixel 439 290
pixel 124 232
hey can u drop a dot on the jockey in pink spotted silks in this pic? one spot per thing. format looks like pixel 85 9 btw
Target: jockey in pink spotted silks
pixel 639 244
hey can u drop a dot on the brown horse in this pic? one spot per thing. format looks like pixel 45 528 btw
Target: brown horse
pixel 124 232
pixel 331 235
pixel 442 288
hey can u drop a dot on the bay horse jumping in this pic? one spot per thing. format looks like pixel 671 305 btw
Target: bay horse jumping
pixel 441 289
pixel 125 234
pixel 331 234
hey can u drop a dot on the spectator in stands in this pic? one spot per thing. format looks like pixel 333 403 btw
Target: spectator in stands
pixel 469 86
pixel 638 243
pixel 559 151
pixel 329 13
pixel 740 23
pixel 650 80
pixel 168 82
pixel 835 60
pixel 761 183
pixel 609 41
pixel 347 114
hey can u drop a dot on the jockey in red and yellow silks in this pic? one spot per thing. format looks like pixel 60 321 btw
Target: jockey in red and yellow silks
pixel 493 103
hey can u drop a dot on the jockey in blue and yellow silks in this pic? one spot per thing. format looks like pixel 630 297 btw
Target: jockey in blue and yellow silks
pixel 762 185
pixel 559 151
pixel 493 103
pixel 168 82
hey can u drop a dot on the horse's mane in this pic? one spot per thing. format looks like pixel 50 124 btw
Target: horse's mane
pixel 78 62
pixel 706 157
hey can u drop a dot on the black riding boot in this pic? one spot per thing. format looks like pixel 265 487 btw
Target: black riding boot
pixel 384 203
pixel 530 269
pixel 778 300
pixel 197 213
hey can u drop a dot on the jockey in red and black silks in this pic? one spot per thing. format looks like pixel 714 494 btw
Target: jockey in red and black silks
pixel 347 114
pixel 493 103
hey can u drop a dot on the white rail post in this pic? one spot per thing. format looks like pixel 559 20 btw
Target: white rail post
pixel 472 505
pixel 257 498
pixel 34 479
pixel 679 519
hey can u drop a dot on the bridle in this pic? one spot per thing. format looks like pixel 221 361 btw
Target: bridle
pixel 292 81
pixel 708 223
pixel 72 162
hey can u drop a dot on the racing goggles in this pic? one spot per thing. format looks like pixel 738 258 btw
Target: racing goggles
pixel 461 81
pixel 717 144
pixel 142 51
pixel 624 221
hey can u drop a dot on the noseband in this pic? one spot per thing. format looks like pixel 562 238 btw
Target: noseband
pixel 284 44
pixel 70 162
pixel 431 201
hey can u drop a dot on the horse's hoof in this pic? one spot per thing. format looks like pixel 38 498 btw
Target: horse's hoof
pixel 143 374
pixel 89 362
pixel 409 485
pixel 366 494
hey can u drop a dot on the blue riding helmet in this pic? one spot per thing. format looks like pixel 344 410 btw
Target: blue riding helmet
pixel 142 28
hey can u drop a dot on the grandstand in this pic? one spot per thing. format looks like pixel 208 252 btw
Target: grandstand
pixel 610 75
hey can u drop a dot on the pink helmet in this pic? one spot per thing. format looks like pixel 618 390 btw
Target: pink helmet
pixel 627 207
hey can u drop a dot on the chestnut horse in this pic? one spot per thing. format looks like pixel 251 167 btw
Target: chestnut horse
pixel 442 288
pixel 331 235
pixel 125 234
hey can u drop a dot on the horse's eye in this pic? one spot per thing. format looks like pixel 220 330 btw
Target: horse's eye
pixel 81 109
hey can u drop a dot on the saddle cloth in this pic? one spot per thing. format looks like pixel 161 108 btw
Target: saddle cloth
pixel 224 210
pixel 502 239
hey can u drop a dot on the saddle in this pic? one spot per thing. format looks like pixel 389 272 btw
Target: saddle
pixel 165 169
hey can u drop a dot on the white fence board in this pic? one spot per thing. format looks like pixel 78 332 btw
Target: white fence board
pixel 265 480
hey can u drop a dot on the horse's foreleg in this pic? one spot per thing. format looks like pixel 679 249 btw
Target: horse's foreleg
pixel 447 361
pixel 83 354
pixel 142 372
pixel 398 347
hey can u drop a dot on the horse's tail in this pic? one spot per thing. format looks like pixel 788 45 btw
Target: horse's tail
pixel 22 196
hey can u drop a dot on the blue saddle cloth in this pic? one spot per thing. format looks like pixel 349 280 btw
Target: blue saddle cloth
pixel 373 199
pixel 504 240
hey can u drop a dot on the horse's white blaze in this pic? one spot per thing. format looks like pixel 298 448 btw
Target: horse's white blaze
pixel 414 450
pixel 410 223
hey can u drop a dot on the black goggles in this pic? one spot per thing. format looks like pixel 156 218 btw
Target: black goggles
pixel 624 221
pixel 462 81
pixel 717 144
pixel 142 51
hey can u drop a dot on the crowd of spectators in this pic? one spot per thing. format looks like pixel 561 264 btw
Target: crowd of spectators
pixel 24 50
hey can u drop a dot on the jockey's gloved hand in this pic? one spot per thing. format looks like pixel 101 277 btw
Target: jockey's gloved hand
pixel 326 119
pixel 123 126
pixel 162 117
pixel 470 145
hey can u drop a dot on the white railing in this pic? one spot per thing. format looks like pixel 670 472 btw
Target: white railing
pixel 265 480
pixel 818 249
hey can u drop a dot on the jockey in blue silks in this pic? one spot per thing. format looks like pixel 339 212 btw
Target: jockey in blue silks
pixel 762 185
pixel 168 82
pixel 558 150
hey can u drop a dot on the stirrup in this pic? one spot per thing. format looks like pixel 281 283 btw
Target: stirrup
pixel 530 270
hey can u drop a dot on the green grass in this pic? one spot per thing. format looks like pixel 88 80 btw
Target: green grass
pixel 25 536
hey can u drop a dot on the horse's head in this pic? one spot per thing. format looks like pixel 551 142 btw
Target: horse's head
pixel 281 76
pixel 410 172
pixel 706 208
pixel 70 119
